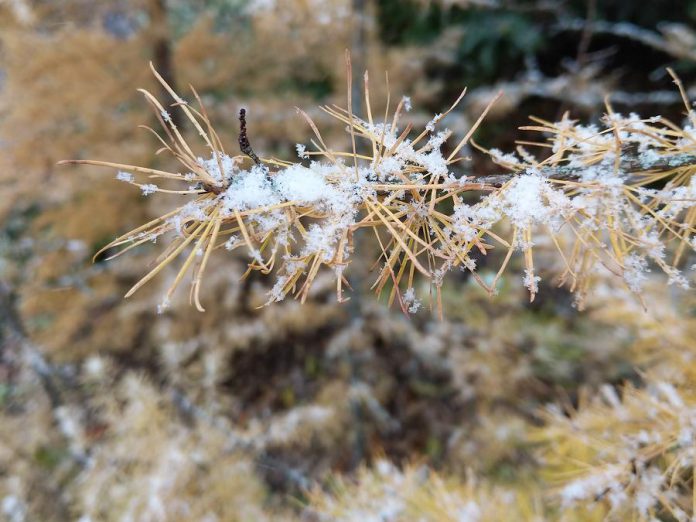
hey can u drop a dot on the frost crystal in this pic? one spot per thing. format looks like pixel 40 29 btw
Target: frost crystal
pixel 430 126
pixel 231 242
pixel 500 157
pixel 531 281
pixel 163 306
pixel 125 176
pixel 635 268
pixel 301 151
pixel 148 189
pixel 410 300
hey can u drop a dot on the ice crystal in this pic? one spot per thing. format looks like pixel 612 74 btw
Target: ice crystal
pixel 410 300
pixel 125 176
pixel 149 188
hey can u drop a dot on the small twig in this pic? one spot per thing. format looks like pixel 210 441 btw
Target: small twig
pixel 581 89
pixel 244 144
pixel 586 37
pixel 631 32
pixel 630 165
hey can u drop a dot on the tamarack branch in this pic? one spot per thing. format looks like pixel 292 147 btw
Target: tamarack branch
pixel 618 199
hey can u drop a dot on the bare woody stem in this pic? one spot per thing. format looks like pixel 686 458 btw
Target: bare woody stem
pixel 629 165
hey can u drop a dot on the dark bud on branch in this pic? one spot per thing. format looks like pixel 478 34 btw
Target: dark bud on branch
pixel 244 144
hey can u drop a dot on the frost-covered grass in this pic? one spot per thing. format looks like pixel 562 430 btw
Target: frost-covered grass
pixel 388 494
pixel 633 453
pixel 618 198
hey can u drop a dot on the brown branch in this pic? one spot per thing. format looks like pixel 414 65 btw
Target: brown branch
pixel 631 165
pixel 631 32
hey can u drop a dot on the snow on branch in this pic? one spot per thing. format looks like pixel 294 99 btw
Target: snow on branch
pixel 615 198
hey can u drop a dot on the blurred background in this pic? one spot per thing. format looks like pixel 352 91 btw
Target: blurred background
pixel 109 411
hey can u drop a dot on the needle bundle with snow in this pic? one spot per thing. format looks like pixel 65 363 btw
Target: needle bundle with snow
pixel 619 199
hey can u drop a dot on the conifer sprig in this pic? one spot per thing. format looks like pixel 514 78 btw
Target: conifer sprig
pixel 621 197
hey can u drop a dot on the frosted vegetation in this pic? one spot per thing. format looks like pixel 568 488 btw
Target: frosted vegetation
pixel 617 198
